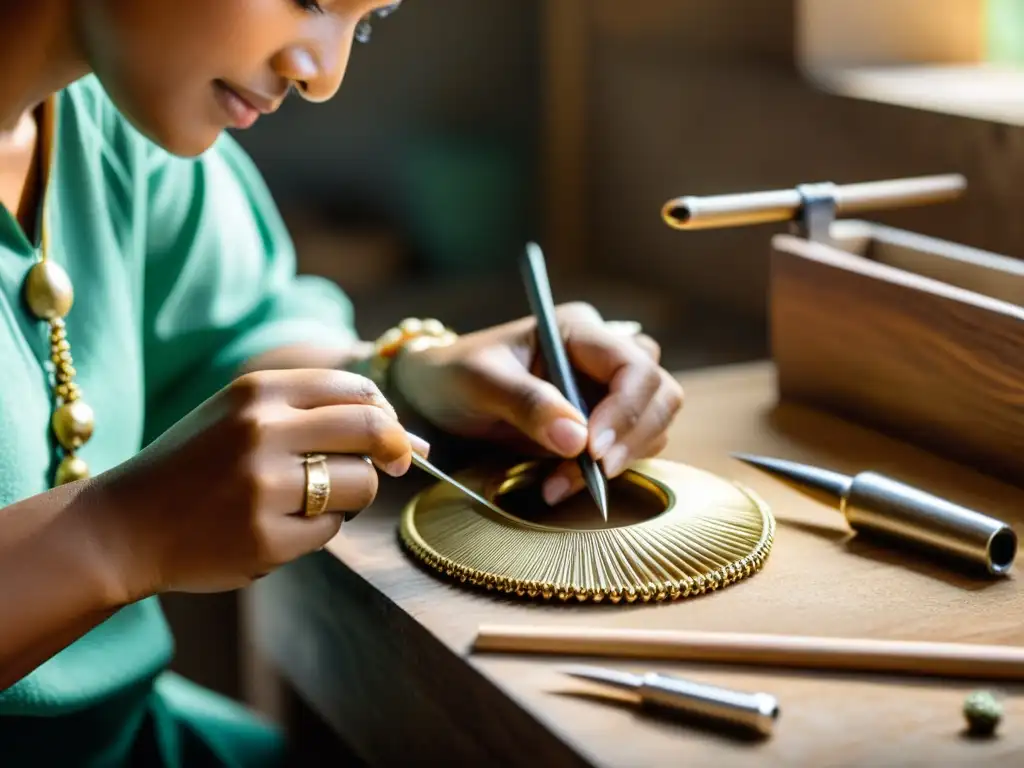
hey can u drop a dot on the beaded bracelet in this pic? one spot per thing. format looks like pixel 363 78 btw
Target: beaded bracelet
pixel 411 335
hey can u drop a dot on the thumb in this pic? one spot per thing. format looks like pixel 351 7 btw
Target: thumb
pixel 537 409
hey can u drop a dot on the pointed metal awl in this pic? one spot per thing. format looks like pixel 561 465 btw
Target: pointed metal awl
pixel 823 480
pixel 430 469
pixel 625 681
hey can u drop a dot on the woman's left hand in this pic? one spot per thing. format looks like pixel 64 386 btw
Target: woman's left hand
pixel 483 386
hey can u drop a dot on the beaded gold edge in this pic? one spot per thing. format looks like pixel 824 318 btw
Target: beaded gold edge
pixel 665 590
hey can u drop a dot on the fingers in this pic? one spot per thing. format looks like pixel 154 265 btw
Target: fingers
pixel 312 388
pixel 530 404
pixel 564 482
pixel 631 423
pixel 630 395
pixel 636 438
pixel 354 485
pixel 601 353
pixel 627 328
pixel 289 538
pixel 361 430
pixel 632 330
pixel 642 398
pixel 353 488
pixel 648 345
pixel 567 480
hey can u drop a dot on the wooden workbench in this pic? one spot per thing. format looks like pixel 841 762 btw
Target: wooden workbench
pixel 380 648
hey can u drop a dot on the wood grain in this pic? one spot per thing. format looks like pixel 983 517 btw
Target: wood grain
pixel 927 360
pixel 381 648
pixel 564 161
pixel 975 661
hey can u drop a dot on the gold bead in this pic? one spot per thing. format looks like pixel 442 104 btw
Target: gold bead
pixel 422 343
pixel 434 327
pixel 48 291
pixel 71 468
pixel 390 338
pixel 73 424
pixel 411 326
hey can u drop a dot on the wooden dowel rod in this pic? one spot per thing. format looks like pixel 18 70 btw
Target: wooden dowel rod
pixel 893 656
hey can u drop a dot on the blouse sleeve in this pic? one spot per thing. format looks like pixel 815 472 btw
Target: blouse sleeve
pixel 220 283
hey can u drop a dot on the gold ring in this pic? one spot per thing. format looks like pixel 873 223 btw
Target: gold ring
pixel 318 484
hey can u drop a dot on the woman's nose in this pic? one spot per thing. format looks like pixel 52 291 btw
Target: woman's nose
pixel 317 71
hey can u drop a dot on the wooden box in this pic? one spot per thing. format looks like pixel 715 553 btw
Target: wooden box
pixel 916 337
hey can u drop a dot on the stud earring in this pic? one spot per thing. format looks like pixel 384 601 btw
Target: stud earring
pixel 364 30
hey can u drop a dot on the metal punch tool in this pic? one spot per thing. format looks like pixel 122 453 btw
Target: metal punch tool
pixel 881 506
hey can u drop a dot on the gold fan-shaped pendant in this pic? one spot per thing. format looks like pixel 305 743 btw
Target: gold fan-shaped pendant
pixel 700 533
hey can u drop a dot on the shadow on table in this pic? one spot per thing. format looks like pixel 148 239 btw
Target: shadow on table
pixel 922 564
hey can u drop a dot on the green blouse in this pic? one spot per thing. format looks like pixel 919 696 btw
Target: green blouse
pixel 182 270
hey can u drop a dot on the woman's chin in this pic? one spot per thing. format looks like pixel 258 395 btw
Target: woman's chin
pixel 187 140
pixel 179 135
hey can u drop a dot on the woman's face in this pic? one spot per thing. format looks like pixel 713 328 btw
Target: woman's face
pixel 184 70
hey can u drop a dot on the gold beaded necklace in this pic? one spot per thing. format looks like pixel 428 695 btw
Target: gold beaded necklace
pixel 49 295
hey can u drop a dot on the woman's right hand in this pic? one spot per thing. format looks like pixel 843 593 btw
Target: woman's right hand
pixel 218 499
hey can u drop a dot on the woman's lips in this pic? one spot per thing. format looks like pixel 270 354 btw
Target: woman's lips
pixel 240 111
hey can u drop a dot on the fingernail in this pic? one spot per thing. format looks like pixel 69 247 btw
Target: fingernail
pixel 603 442
pixel 555 490
pixel 421 446
pixel 568 437
pixel 614 461
pixel 397 468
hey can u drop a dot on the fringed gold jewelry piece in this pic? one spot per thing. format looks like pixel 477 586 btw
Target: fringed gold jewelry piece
pixel 712 533
pixel 50 295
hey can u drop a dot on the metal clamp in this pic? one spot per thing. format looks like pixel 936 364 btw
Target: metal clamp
pixel 817 211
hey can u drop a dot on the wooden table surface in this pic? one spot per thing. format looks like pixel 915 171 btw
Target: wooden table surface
pixel 381 648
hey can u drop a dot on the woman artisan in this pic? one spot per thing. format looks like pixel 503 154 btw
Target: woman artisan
pixel 172 396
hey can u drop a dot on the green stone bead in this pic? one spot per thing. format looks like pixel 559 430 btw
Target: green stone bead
pixel 983 712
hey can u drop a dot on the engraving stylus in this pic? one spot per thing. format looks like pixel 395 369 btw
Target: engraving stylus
pixel 559 371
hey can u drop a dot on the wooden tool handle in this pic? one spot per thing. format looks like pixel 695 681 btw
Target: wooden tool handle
pixel 894 656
